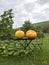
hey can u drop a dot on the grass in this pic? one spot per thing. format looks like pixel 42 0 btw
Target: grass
pixel 39 58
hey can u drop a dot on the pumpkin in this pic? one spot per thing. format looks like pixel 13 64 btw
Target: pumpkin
pixel 19 34
pixel 31 34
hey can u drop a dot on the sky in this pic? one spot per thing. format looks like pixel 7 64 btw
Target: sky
pixel 33 10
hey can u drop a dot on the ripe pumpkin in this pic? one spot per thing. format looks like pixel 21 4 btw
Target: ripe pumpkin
pixel 31 34
pixel 19 34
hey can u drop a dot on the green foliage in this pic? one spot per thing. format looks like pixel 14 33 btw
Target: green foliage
pixel 35 58
pixel 43 26
pixel 27 25
pixel 6 24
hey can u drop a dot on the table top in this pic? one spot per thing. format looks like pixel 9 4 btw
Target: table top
pixel 25 38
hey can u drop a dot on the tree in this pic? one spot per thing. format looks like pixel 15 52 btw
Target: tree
pixel 27 25
pixel 6 22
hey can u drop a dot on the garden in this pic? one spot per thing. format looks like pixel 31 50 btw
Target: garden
pixel 26 45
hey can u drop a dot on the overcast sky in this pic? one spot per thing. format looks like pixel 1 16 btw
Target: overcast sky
pixel 33 10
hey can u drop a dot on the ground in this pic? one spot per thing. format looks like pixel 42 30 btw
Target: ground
pixel 38 58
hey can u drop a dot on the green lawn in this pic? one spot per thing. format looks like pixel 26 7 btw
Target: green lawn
pixel 39 58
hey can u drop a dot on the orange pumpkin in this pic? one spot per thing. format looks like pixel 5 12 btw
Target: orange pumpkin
pixel 19 34
pixel 31 34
